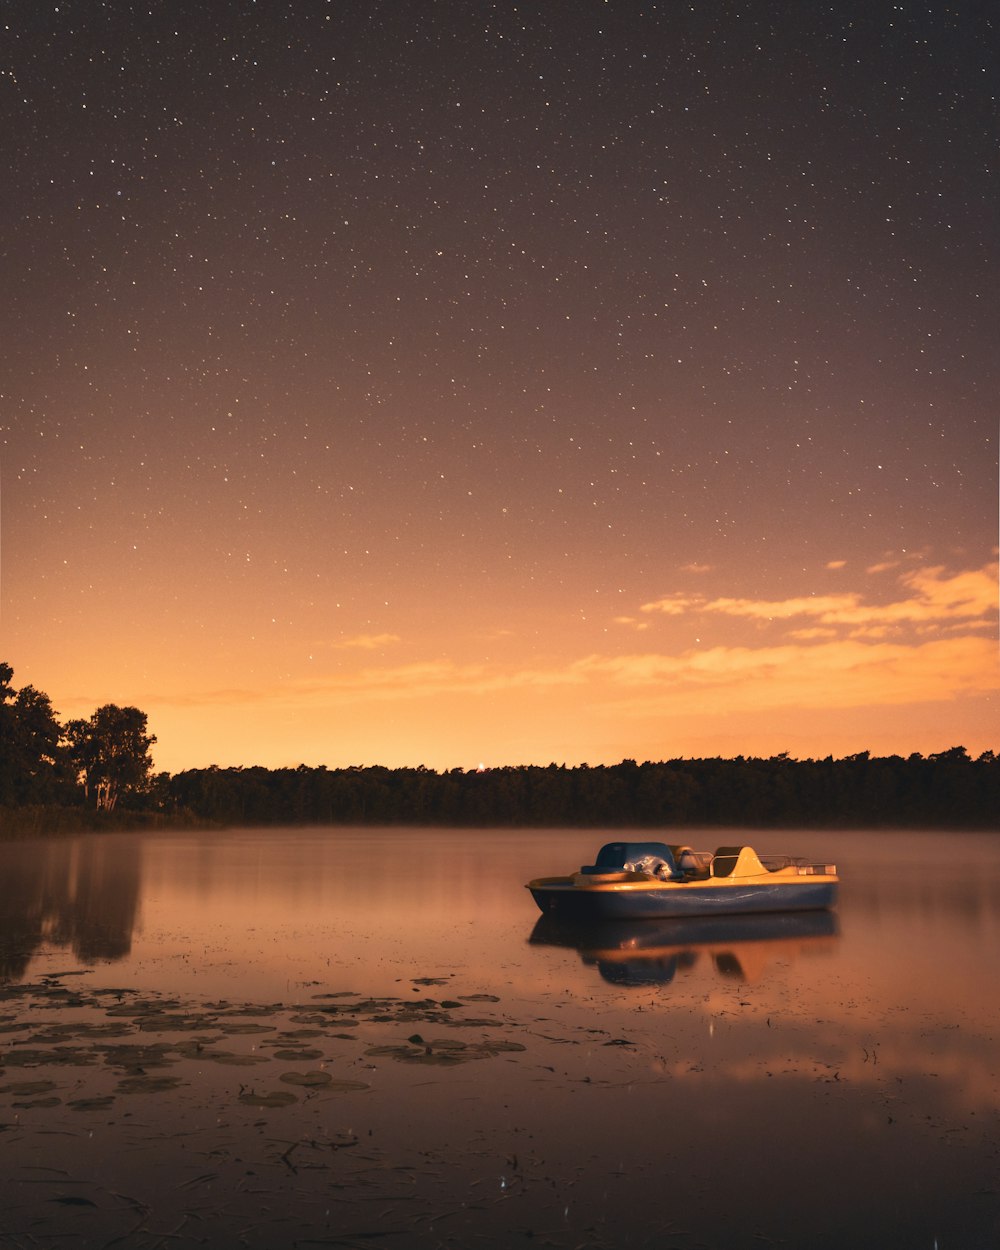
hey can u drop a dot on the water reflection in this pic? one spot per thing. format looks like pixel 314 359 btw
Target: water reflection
pixel 650 952
pixel 81 894
pixel 320 1037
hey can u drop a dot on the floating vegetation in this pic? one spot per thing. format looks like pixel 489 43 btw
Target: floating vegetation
pixel 157 1055
pixel 233 1060
pixel 311 1079
pixel 147 1084
pixel 151 1043
pixel 278 1098
pixel 195 1047
pixel 22 1089
pixel 61 1057
pixel 310 1018
pixel 55 1033
pixel 164 1022
pixel 442 1051
pixel 235 1027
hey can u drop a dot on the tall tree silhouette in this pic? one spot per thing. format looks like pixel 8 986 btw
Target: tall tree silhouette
pixel 32 761
pixel 111 752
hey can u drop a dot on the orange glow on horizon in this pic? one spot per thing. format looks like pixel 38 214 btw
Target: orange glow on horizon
pixel 912 668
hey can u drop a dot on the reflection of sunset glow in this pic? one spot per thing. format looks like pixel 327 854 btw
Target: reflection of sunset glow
pixel 860 1044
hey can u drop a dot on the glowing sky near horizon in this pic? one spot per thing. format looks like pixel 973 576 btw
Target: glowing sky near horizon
pixel 436 383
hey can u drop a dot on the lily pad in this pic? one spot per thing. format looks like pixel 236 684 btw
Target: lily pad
pixel 167 1022
pixel 416 1054
pixel 48 1058
pixel 312 1079
pixel 25 1088
pixel 147 1084
pixel 138 1007
pixel 443 1052
pixel 92 1104
pixel 279 1098
pixel 55 1033
pixel 255 1009
pixel 499 1048
pixel 196 1047
pixel 232 1060
pixel 154 1056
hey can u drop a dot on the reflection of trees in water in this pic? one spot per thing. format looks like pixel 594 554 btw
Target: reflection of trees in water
pixel 80 893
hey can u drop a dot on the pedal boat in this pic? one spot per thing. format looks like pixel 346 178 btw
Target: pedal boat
pixel 639 880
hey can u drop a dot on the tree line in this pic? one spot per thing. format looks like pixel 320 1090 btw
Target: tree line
pixel 946 790
pixel 104 763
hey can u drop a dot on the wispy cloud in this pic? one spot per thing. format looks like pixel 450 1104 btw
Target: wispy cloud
pixel 934 599
pixel 843 673
pixel 674 605
pixel 825 607
pixel 367 642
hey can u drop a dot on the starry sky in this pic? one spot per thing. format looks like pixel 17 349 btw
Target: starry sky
pixel 450 382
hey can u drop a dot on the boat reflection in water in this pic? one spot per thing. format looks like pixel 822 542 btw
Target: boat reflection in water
pixel 650 952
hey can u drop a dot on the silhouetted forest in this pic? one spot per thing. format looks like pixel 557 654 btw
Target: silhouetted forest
pixel 946 790
pixel 97 773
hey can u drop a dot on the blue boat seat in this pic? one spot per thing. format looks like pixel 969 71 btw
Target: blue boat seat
pixel 623 856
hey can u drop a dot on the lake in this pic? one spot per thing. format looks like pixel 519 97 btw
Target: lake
pixel 370 1037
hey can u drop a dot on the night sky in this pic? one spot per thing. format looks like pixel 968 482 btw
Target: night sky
pixel 453 382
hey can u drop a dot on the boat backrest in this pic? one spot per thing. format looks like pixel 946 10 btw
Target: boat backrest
pixel 737 861
pixel 617 856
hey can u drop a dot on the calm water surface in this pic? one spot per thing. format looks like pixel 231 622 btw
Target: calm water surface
pixel 370 1037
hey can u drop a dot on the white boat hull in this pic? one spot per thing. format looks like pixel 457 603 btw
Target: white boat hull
pixel 640 901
